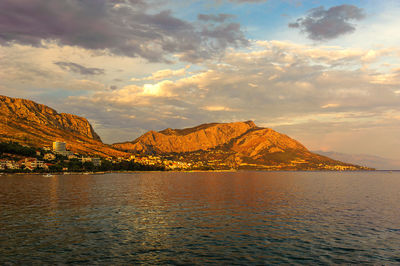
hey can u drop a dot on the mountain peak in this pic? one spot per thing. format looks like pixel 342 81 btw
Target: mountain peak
pixel 187 131
pixel 250 123
pixel 202 137
pixel 231 145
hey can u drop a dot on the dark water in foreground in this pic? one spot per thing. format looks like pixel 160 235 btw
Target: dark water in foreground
pixel 200 218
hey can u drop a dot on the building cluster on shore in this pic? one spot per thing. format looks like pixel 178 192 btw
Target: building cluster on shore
pixel 160 161
pixel 151 160
pixel 47 158
pixel 44 158
pixel 58 159
pixel 25 163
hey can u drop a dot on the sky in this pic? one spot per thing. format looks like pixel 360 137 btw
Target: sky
pixel 326 73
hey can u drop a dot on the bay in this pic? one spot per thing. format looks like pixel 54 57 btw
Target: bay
pixel 201 218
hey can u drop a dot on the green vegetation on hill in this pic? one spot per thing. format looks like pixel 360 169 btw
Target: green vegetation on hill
pixel 75 165
pixel 16 149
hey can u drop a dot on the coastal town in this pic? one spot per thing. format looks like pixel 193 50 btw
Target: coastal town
pixel 15 157
pixel 22 158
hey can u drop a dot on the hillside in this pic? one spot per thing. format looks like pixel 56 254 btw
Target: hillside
pixel 239 145
pixel 202 137
pixel 38 125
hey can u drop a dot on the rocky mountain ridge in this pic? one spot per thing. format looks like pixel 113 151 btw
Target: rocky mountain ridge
pixel 38 125
pixel 202 137
pixel 232 145
pixel 237 145
pixel 31 112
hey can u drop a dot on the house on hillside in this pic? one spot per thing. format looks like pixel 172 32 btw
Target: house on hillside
pixel 3 164
pixel 95 161
pixel 8 164
pixel 32 163
pixel 49 157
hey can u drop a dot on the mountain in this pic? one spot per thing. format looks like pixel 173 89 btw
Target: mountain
pixel 202 137
pixel 377 162
pixel 38 125
pixel 240 145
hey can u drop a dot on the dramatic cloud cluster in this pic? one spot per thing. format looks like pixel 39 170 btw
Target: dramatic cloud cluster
pixel 320 24
pixel 122 27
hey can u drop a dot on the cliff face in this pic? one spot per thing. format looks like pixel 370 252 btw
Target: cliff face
pixel 264 140
pixel 243 137
pixel 202 137
pixel 38 125
pixel 239 145
pixel 31 112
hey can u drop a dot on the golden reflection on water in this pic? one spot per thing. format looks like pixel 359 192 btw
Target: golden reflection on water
pixel 53 195
pixel 201 217
pixel 214 201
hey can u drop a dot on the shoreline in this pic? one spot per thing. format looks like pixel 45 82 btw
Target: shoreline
pixel 191 171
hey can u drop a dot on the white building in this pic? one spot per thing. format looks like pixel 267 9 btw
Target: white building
pixel 60 147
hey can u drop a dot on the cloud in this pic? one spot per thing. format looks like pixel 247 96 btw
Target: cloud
pixel 130 28
pixel 144 95
pixel 215 18
pixel 216 108
pixel 320 24
pixel 216 37
pixel 330 105
pixel 163 74
pixel 253 85
pixel 79 69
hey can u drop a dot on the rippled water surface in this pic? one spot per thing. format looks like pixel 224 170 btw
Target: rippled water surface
pixel 200 218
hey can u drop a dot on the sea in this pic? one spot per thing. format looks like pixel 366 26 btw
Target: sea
pixel 201 218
